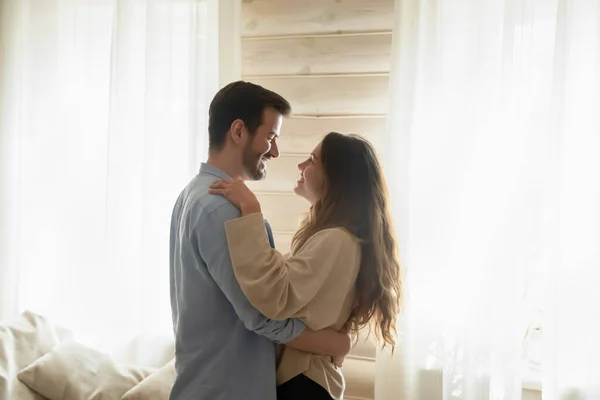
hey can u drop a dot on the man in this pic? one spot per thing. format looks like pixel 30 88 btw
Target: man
pixel 225 349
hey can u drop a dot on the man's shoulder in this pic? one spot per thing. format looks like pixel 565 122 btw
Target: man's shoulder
pixel 208 206
pixel 219 208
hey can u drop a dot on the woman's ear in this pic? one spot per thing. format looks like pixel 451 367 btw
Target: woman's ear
pixel 237 131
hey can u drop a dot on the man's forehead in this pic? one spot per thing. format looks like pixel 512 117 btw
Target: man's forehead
pixel 271 112
pixel 272 121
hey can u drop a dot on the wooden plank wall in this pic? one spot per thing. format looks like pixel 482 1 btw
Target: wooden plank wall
pixel 331 60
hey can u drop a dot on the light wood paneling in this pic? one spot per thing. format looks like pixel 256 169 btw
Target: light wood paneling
pixel 282 175
pixel 335 54
pixel 532 395
pixel 365 348
pixel 301 135
pixel 287 17
pixel 283 241
pixel 359 376
pixel 331 95
pixel 330 59
pixel 283 212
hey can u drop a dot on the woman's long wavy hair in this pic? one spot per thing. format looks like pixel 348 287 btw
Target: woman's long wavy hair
pixel 356 199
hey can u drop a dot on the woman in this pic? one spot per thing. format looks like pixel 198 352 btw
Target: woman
pixel 343 270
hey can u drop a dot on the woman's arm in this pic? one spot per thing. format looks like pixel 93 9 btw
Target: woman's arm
pixel 280 288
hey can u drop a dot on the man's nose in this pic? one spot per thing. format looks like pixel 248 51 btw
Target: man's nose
pixel 274 152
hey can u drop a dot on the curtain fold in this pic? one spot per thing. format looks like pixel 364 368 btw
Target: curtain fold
pixel 572 349
pixel 103 121
pixel 491 157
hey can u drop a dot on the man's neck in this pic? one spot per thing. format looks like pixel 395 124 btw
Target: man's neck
pixel 223 162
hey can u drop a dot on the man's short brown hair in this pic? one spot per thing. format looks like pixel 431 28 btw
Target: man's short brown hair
pixel 240 100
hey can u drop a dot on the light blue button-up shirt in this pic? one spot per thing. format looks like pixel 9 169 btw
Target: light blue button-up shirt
pixel 224 347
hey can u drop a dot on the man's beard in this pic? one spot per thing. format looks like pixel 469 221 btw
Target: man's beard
pixel 255 169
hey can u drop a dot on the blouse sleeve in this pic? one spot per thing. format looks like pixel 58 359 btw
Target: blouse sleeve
pixel 281 287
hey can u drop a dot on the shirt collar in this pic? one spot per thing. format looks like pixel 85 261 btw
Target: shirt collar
pixel 207 169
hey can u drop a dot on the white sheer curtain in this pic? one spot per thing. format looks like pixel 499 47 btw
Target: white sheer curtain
pixel 493 165
pixel 103 121
pixel 572 326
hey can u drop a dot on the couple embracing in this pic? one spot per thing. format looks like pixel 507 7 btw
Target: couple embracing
pixel 252 322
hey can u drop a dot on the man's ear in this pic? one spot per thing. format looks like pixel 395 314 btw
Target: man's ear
pixel 237 131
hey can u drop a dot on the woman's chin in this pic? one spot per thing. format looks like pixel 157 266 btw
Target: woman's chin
pixel 300 192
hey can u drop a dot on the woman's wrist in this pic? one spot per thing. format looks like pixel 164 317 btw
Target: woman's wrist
pixel 250 208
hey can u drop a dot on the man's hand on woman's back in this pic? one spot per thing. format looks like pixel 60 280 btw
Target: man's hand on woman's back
pixel 324 342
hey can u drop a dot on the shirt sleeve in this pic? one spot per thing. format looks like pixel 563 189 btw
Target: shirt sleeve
pixel 212 246
pixel 278 286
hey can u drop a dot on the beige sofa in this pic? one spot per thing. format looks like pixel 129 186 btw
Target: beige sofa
pixel 39 361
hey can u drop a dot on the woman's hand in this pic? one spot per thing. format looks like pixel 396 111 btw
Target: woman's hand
pixel 339 359
pixel 236 191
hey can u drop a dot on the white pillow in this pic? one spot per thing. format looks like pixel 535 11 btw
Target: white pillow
pixel 156 387
pixel 22 341
pixel 73 371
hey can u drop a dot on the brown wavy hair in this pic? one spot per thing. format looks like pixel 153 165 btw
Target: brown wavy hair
pixel 356 199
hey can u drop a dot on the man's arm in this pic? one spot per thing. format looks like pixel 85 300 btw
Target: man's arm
pixel 323 342
pixel 210 235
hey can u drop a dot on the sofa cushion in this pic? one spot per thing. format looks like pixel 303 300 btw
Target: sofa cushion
pixel 23 340
pixel 155 387
pixel 73 371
